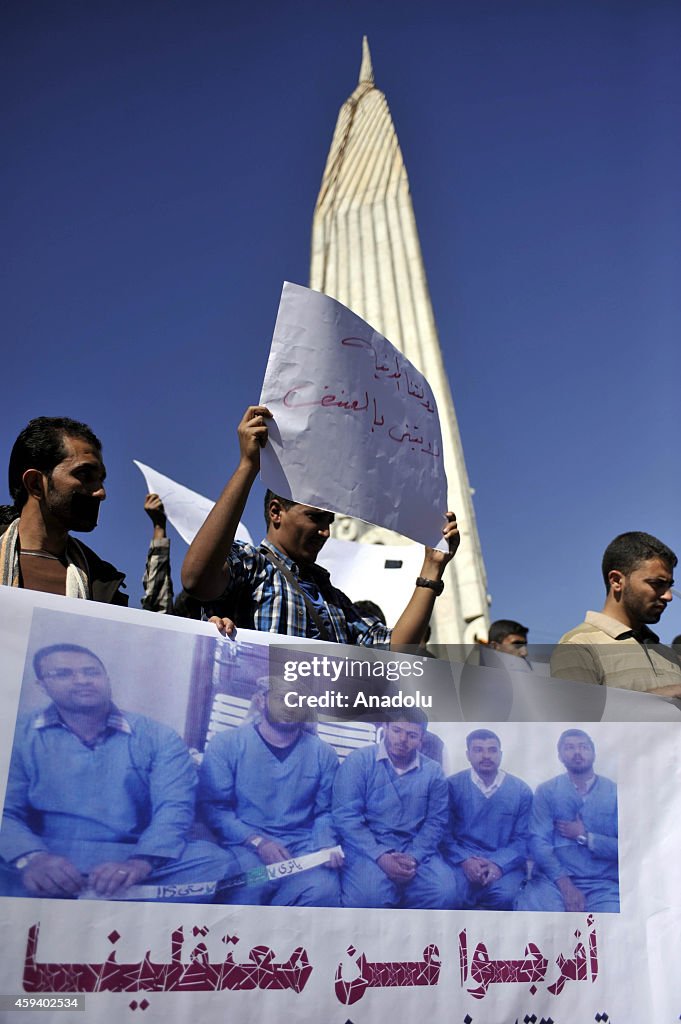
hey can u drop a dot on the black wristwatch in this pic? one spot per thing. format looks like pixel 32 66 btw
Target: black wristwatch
pixel 437 586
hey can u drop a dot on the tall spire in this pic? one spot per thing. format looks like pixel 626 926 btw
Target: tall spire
pixel 366 253
pixel 366 72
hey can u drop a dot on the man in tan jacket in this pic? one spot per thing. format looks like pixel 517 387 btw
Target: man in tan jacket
pixel 616 647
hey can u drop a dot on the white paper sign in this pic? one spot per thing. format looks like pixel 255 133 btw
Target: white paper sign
pixel 356 427
pixel 384 573
pixel 186 510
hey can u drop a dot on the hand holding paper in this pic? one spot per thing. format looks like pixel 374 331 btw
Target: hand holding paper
pixel 450 533
pixel 253 434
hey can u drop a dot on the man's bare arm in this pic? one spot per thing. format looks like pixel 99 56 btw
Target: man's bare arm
pixel 205 574
pixel 412 623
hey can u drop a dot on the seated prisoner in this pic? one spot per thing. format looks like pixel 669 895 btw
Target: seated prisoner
pixel 97 798
pixel 573 835
pixel 265 791
pixel 489 810
pixel 390 809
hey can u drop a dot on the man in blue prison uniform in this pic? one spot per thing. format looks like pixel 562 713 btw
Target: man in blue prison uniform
pixel 573 836
pixel 390 809
pixel 96 797
pixel 488 825
pixel 265 790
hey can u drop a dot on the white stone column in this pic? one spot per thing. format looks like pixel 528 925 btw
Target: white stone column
pixel 366 253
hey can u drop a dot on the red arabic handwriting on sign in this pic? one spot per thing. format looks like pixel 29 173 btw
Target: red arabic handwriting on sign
pixel 384 371
pixel 308 395
pixel 199 974
pixel 293 401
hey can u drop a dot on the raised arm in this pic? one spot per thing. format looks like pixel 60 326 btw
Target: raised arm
pixel 157 582
pixel 205 574
pixel 412 623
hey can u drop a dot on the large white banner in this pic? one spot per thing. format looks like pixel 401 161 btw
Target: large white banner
pixel 356 427
pixel 215 961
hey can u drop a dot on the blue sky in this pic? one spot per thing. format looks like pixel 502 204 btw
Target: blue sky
pixel 160 168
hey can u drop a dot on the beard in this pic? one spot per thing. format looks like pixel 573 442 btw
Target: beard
pixel 74 511
pixel 640 610
pixel 580 769
pixel 289 721
pixel 84 512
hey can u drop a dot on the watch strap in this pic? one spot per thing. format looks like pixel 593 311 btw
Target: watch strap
pixel 437 586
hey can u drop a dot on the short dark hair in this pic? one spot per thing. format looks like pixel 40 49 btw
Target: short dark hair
pixel 481 734
pixel 416 716
pixel 40 445
pixel 502 628
pixel 370 608
pixel 575 732
pixel 627 551
pixel 270 496
pixel 45 652
pixel 8 513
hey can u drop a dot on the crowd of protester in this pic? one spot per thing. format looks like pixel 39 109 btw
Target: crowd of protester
pixel 56 483
pixel 271 790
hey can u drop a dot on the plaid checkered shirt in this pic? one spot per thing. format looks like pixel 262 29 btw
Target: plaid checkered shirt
pixel 268 602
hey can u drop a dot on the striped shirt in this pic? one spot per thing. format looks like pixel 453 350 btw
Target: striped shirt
pixel 604 651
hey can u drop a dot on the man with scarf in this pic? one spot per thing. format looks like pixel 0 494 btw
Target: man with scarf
pixel 56 482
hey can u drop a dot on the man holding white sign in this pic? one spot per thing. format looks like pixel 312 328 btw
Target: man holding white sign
pixel 277 587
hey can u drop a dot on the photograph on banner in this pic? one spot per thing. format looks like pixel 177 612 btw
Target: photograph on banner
pixel 156 765
pixel 334 384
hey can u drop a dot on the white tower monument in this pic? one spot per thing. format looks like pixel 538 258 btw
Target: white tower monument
pixel 366 254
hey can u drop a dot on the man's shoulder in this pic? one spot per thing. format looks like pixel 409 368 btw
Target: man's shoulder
pixel 26 725
pixel 362 757
pixel 584 633
pixel 149 728
pixel 232 740
pixel 515 782
pixel 243 548
pixel 105 579
pixel 549 786
pixel 430 767
pixel 597 628
pixel 247 562
pixel 310 741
